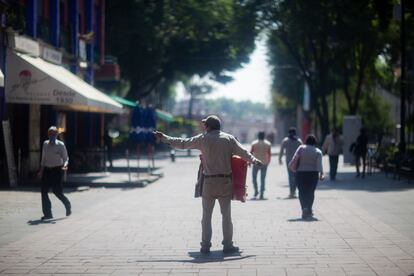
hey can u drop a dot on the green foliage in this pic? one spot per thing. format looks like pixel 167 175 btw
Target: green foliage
pixel 285 106
pixel 374 112
pixel 182 126
pixel 159 41
pixel 228 108
pixel 332 45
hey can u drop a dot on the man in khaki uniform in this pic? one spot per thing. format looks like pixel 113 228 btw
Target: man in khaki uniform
pixel 217 148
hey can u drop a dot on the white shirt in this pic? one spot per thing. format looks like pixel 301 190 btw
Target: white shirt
pixel 332 146
pixel 310 159
pixel 54 154
pixel 261 149
pixel 217 148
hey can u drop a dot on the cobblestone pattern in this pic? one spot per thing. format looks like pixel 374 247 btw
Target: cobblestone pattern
pixel 156 231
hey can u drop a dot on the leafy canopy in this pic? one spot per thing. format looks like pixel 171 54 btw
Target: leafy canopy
pixel 162 41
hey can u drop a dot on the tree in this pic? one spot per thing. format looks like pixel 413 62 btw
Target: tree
pixel 160 41
pixel 196 88
pixel 333 44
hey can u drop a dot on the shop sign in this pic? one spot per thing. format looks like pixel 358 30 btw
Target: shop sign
pixel 52 55
pixel 24 44
pixel 26 84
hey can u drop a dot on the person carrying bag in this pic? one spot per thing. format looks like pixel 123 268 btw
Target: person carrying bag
pixel 307 162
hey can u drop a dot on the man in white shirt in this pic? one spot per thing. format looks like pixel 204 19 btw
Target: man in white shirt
pixel 261 149
pixel 217 148
pixel 54 162
pixel 333 147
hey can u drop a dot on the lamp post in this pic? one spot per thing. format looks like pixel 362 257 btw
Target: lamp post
pixel 402 144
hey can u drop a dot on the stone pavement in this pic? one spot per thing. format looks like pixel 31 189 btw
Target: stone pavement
pixel 156 231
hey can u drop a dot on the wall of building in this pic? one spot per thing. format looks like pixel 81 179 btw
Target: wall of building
pixel 73 31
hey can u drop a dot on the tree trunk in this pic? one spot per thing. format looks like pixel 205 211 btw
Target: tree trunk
pixel 358 89
pixel 346 87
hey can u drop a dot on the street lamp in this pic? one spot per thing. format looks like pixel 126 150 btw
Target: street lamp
pixel 402 144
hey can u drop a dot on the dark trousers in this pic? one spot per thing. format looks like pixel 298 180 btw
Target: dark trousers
pixel 52 177
pixel 333 166
pixel 358 158
pixel 306 182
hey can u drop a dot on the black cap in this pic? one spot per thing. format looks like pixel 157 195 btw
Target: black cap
pixel 212 121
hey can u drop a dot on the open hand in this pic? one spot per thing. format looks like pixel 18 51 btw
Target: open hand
pixel 39 174
pixel 158 134
pixel 257 162
pixel 321 177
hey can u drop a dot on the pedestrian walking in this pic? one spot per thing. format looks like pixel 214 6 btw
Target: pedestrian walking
pixel 217 149
pixel 333 147
pixel 360 148
pixel 288 147
pixel 261 149
pixel 307 162
pixel 53 163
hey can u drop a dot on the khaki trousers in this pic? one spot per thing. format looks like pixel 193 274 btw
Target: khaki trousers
pixel 221 189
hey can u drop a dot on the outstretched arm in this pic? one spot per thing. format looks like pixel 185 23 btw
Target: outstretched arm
pixel 244 154
pixel 179 143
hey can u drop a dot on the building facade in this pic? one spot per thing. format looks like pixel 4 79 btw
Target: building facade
pixel 51 52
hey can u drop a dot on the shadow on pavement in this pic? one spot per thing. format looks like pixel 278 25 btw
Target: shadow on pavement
pixel 198 258
pixel 305 220
pixel 215 256
pixel 133 169
pixel 39 221
pixel 377 182
pixel 36 189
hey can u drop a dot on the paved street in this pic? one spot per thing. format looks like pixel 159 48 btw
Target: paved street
pixel 363 227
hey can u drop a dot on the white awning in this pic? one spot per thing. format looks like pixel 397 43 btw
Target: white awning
pixel 32 80
pixel 1 79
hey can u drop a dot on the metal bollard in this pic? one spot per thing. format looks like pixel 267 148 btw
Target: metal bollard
pixel 129 169
pixel 172 155
pixel 105 153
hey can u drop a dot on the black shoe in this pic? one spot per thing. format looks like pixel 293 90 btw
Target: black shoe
pixel 46 217
pixel 305 213
pixel 68 212
pixel 204 250
pixel 231 249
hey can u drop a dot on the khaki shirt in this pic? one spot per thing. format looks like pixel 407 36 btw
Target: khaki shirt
pixel 217 148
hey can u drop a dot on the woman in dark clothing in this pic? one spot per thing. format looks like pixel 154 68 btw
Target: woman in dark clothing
pixel 308 172
pixel 360 151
